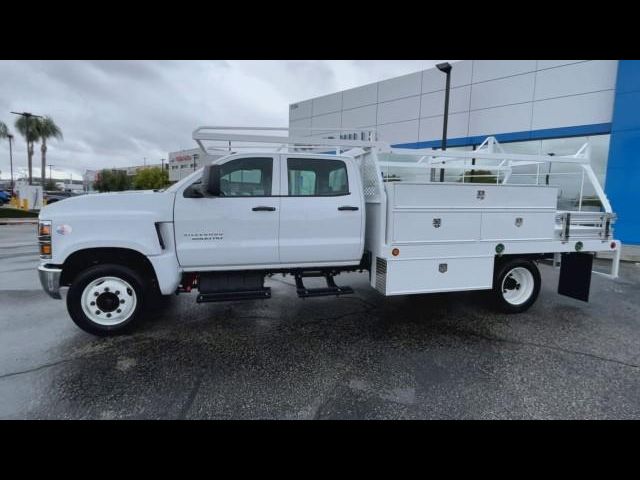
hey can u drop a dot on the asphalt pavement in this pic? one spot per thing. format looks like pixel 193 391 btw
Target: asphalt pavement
pixel 362 356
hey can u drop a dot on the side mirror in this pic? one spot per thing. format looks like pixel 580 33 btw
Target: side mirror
pixel 211 180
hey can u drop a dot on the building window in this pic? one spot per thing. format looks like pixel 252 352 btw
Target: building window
pixel 566 177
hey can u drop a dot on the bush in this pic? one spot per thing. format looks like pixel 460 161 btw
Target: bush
pixel 8 212
pixel 469 178
pixel 151 179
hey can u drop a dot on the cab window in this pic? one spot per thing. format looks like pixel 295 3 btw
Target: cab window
pixel 317 177
pixel 246 177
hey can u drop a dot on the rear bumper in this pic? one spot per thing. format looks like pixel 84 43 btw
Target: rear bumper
pixel 50 280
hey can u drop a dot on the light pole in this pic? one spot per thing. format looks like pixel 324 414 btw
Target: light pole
pixel 50 174
pixel 549 170
pixel 10 137
pixel 27 116
pixel 446 68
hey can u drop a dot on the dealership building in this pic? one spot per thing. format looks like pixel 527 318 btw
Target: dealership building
pixel 531 106
pixel 183 163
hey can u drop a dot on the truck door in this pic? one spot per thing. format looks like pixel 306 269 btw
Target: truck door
pixel 322 211
pixel 239 228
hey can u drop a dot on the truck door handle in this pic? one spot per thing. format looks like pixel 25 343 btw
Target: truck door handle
pixel 346 207
pixel 264 209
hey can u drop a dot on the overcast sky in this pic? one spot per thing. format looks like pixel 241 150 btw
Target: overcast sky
pixel 115 113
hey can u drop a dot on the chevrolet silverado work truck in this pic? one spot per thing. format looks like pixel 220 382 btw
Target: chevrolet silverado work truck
pixel 315 207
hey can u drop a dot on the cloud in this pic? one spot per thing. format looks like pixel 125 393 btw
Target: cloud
pixel 117 113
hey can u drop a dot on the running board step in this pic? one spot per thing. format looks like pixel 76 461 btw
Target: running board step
pixel 262 293
pixel 323 292
pixel 331 289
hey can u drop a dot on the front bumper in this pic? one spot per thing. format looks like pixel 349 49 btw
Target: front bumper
pixel 50 280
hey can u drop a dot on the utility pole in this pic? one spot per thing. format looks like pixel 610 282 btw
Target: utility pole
pixel 27 116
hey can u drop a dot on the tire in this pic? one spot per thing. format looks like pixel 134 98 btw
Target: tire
pixel 516 285
pixel 117 293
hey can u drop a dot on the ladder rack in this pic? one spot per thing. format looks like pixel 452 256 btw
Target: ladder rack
pixel 366 147
pixel 259 137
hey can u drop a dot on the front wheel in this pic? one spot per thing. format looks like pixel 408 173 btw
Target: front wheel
pixel 106 299
pixel 516 285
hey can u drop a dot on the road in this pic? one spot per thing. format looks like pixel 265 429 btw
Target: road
pixel 357 357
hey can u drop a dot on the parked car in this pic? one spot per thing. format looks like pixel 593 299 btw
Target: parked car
pixel 4 197
pixel 56 196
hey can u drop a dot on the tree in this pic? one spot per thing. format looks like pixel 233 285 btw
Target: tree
pixel 5 133
pixel 45 128
pixel 112 181
pixel 21 126
pixel 151 179
pixel 4 130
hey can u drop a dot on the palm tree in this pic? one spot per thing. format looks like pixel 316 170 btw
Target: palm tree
pixel 5 133
pixel 46 128
pixel 21 126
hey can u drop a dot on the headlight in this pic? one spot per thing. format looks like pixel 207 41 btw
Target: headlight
pixel 44 238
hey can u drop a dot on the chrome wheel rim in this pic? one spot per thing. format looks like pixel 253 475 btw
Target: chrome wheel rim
pixel 109 301
pixel 517 286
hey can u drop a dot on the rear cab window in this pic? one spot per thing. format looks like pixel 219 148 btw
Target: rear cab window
pixel 317 177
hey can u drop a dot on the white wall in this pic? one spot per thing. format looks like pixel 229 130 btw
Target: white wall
pixel 487 97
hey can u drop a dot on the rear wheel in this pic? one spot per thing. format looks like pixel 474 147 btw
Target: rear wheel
pixel 516 285
pixel 106 299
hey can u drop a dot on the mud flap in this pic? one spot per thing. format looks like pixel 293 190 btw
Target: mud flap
pixel 575 275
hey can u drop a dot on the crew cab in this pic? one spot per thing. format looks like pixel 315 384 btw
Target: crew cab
pixel 307 211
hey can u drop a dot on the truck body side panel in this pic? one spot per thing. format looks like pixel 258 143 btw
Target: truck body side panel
pixel 442 237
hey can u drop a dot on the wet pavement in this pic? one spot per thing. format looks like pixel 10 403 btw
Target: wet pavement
pixel 362 356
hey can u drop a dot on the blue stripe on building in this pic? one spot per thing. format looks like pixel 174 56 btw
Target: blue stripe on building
pixel 547 133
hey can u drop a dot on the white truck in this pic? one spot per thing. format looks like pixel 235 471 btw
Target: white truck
pixel 315 207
